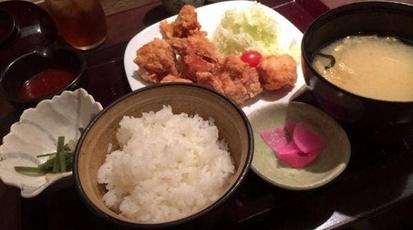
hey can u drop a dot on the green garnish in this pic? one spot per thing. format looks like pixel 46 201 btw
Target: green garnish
pixel 31 171
pixel 60 151
pixel 243 29
pixel 330 57
pixel 59 162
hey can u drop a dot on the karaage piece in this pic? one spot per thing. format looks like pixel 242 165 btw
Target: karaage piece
pixel 197 44
pixel 277 71
pixel 186 24
pixel 172 78
pixel 211 80
pixel 193 66
pixel 156 60
pixel 198 55
pixel 239 81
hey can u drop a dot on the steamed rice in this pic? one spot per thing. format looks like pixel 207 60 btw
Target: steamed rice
pixel 169 166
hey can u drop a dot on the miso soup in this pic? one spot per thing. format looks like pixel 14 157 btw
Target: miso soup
pixel 369 66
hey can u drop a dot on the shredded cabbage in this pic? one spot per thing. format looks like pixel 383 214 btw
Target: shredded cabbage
pixel 249 28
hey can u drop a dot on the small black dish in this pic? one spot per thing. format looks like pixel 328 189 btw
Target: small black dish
pixel 24 26
pixel 17 73
pixel 8 27
pixel 356 112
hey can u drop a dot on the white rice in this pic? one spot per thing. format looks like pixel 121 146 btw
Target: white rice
pixel 169 166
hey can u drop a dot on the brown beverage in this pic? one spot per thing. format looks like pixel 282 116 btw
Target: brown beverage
pixel 82 23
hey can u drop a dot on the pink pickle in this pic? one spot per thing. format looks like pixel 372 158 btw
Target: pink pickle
pixel 288 149
pixel 293 156
pixel 301 150
pixel 306 139
pixel 289 126
pixel 273 137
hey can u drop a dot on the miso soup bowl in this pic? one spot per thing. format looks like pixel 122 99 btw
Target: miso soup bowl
pixel 364 18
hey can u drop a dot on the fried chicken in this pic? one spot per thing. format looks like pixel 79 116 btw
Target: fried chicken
pixel 156 60
pixel 186 24
pixel 211 80
pixel 238 80
pixel 172 78
pixel 199 63
pixel 198 55
pixel 185 54
pixel 277 71
pixel 197 44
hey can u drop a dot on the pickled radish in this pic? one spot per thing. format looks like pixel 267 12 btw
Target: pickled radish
pixel 274 137
pixel 289 128
pixel 292 155
pixel 306 139
pixel 287 149
pixel 295 144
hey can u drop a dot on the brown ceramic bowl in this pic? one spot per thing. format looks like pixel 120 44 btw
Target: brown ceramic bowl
pixel 358 112
pixel 192 99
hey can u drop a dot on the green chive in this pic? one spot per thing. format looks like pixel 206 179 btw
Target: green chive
pixel 61 153
pixel 27 170
pixel 45 155
pixel 58 162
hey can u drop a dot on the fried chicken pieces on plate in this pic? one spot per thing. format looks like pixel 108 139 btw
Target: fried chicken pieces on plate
pixel 185 25
pixel 185 54
pixel 277 71
pixel 156 60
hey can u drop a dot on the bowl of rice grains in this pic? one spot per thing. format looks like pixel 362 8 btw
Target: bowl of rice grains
pixel 169 155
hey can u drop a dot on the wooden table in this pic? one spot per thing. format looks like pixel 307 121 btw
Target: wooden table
pixel 379 177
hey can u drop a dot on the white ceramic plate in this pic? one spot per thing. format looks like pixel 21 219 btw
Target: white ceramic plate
pixel 209 17
pixel 36 133
pixel 330 163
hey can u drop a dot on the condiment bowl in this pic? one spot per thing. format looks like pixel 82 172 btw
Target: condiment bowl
pixel 192 99
pixel 36 134
pixel 355 111
pixel 329 164
pixel 21 88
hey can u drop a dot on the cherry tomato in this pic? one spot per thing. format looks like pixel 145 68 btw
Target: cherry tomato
pixel 251 57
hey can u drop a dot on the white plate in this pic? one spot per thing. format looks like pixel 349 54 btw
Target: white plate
pixel 209 17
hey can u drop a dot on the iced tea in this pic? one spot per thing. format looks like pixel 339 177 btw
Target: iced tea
pixel 82 23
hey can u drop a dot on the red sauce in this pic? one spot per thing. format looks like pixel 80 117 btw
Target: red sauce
pixel 45 82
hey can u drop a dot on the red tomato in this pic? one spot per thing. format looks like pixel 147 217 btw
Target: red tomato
pixel 251 57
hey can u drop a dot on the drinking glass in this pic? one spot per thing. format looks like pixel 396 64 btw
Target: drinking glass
pixel 82 23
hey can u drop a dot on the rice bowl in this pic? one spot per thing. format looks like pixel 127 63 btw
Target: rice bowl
pixel 168 166
pixel 196 101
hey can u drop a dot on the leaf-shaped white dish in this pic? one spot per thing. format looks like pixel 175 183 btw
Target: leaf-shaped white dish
pixel 36 133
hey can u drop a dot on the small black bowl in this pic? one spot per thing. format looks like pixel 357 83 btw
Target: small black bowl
pixel 357 112
pixel 24 26
pixel 19 71
pixel 8 27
